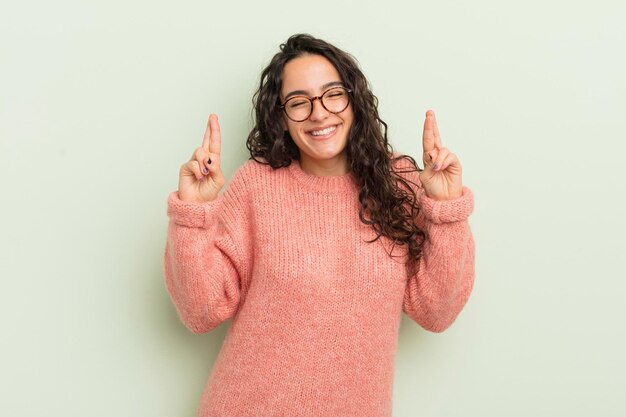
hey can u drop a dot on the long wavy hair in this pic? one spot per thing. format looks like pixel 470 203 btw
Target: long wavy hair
pixel 387 201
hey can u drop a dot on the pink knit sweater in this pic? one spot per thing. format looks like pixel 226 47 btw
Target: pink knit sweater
pixel 315 310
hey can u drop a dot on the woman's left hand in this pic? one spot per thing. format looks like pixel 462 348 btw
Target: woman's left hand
pixel 441 177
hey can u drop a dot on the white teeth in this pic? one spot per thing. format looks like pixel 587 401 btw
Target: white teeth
pixel 323 132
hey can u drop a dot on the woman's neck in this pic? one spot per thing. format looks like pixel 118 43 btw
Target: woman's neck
pixel 325 168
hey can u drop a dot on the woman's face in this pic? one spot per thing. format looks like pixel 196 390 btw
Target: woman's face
pixel 310 75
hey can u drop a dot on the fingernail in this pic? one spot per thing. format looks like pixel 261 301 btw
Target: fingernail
pixel 209 161
pixel 435 167
pixel 205 171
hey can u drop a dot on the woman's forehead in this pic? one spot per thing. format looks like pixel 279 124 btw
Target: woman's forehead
pixel 309 74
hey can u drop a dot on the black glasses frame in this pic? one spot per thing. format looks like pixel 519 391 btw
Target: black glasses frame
pixel 312 99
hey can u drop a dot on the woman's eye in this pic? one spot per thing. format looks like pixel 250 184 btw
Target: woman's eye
pixel 298 103
pixel 335 93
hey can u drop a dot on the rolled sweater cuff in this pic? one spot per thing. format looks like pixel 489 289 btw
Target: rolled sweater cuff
pixel 192 214
pixel 447 211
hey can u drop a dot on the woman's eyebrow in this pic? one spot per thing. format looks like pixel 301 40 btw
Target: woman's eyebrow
pixel 324 87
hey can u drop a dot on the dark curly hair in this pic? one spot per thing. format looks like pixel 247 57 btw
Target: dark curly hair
pixel 388 202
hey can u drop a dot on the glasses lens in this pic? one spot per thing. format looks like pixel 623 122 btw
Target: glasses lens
pixel 298 108
pixel 335 100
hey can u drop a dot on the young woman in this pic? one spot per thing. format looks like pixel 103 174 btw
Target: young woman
pixel 319 243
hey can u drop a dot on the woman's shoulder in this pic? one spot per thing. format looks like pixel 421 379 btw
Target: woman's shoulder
pixel 254 167
pixel 253 173
pixel 402 161
pixel 406 167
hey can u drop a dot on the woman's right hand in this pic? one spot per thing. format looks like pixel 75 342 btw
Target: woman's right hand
pixel 200 180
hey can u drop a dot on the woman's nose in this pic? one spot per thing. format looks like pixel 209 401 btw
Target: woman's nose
pixel 318 112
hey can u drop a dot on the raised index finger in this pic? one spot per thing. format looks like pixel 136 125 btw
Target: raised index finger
pixel 428 138
pixel 215 144
pixel 212 141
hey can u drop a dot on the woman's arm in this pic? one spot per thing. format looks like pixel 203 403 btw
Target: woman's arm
pixel 202 265
pixel 437 293
pixel 207 249
pixel 208 253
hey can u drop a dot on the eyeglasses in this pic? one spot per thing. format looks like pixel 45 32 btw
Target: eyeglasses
pixel 334 100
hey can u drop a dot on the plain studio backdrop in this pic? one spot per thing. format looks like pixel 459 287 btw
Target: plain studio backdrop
pixel 101 102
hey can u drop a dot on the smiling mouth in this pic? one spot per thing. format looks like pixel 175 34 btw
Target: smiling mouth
pixel 323 133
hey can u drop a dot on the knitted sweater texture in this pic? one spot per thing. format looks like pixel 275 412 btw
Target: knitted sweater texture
pixel 315 309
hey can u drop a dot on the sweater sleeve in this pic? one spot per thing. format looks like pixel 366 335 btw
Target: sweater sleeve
pixel 206 257
pixel 437 293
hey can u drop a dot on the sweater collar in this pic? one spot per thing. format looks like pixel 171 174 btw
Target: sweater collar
pixel 337 184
